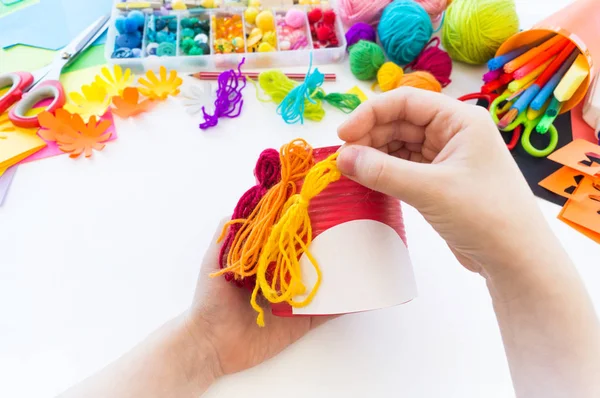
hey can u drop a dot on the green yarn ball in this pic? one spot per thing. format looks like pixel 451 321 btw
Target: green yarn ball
pixel 365 60
pixel 474 29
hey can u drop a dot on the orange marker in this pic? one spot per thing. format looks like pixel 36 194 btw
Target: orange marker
pixel 516 63
pixel 543 57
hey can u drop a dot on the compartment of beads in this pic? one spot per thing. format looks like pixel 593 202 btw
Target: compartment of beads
pixel 293 31
pixel 195 34
pixel 128 34
pixel 161 35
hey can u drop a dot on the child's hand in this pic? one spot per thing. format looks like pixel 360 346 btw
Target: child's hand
pixel 448 160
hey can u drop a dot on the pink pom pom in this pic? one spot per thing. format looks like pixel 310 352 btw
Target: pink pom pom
pixel 367 11
pixel 435 61
pixel 294 18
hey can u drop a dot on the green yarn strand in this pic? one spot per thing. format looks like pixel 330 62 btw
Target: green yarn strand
pixel 344 102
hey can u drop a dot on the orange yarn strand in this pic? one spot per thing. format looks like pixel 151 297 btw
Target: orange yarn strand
pixel 242 259
pixel 288 240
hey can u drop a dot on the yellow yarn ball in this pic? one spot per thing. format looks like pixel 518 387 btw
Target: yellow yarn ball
pixel 389 75
pixel 250 15
pixel 474 29
pixel 265 21
pixel 422 80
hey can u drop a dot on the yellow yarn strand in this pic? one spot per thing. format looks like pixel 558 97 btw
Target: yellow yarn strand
pixel 277 86
pixel 289 239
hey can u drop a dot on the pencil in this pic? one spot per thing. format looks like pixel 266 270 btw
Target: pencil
pixel 499 61
pixel 531 54
pixel 572 79
pixel 549 87
pixel 329 77
pixel 521 83
pixel 543 57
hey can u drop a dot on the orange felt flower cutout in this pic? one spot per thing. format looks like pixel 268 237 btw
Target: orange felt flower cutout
pixel 83 138
pixel 128 104
pixel 55 125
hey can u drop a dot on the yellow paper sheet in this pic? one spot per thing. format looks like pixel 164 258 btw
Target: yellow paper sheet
pixel 17 145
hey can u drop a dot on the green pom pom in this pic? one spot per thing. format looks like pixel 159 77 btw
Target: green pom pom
pixel 187 44
pixel 187 32
pixel 196 51
pixel 365 59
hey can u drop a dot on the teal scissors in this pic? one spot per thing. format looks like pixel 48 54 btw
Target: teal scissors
pixel 529 126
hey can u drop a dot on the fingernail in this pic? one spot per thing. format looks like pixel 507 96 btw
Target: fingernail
pixel 346 160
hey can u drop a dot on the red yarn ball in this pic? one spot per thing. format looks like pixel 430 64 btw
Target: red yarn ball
pixel 435 61
pixel 315 15
pixel 329 17
pixel 323 33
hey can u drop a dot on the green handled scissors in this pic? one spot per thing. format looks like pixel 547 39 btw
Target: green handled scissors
pixel 528 127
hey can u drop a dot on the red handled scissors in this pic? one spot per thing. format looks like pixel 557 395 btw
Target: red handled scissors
pixel 489 99
pixel 25 90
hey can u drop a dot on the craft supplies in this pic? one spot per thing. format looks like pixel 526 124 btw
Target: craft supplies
pixel 404 30
pixel 116 82
pixel 274 250
pixel 435 8
pixel 161 86
pixel 591 109
pixel 292 30
pixel 353 11
pixel 130 29
pixel 388 76
pixel 128 104
pixel 557 53
pixel 322 25
pixel 229 33
pixel 195 34
pixel 328 77
pixel 499 61
pixel 530 55
pixel 229 100
pixel 572 80
pixel 92 101
pixel 549 87
pixel 365 60
pixel 473 30
pixel 435 61
pixel 360 31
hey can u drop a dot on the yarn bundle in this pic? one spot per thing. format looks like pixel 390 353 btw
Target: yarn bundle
pixel 367 11
pixel 435 61
pixel 435 8
pixel 474 29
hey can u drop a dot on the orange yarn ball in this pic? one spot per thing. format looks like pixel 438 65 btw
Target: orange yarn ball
pixel 420 79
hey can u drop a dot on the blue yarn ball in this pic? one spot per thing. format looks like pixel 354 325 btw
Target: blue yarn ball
pixel 404 30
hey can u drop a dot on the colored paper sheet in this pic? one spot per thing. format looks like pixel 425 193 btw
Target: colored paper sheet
pixel 564 182
pixel 580 155
pixel 581 130
pixel 358 92
pixel 51 24
pixel 7 9
pixel 5 181
pixel 584 210
pixel 18 145
pixel 30 59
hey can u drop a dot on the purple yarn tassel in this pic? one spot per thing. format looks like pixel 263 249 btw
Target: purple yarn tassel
pixel 229 96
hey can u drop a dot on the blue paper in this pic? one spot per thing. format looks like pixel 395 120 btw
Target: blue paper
pixel 51 24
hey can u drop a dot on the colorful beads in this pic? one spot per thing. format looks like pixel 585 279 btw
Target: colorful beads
pixel 130 27
pixel 194 36
pixel 228 29
pixel 250 15
pixel 265 21
pixel 292 37
pixel 322 28
pixel 260 29
pixel 161 30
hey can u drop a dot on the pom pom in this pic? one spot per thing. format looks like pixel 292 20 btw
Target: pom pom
pixel 120 24
pixel 265 21
pixel 329 17
pixel 367 11
pixel 128 40
pixel 388 76
pixel 404 30
pixel 422 80
pixel 137 17
pixel 474 30
pixel 315 15
pixel 435 61
pixel 434 8
pixel 323 33
pixel 130 26
pixel 294 18
pixel 360 31
pixel 365 60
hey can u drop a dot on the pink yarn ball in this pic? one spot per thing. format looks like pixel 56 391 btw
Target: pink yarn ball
pixel 434 8
pixel 435 61
pixel 295 18
pixel 367 11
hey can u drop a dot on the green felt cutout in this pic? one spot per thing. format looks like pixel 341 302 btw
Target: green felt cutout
pixel 30 59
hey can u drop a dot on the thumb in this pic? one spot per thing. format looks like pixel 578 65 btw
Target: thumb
pixel 403 179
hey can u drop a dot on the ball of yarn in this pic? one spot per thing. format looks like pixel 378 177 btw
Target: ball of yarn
pixel 360 31
pixel 404 29
pixel 294 18
pixel 434 8
pixel 435 61
pixel 474 29
pixel 367 11
pixel 389 76
pixel 365 60
pixel 419 79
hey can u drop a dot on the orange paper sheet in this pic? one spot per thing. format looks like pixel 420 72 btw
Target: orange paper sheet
pixel 584 208
pixel 580 155
pixel 564 182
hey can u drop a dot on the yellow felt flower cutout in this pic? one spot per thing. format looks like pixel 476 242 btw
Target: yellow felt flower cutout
pixel 92 101
pixel 114 83
pixel 160 87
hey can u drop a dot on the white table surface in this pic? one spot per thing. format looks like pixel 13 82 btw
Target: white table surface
pixel 95 254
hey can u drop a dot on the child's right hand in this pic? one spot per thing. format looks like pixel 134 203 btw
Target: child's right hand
pixel 447 159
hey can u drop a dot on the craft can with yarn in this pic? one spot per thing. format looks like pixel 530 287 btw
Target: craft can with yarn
pixel 576 22
pixel 359 242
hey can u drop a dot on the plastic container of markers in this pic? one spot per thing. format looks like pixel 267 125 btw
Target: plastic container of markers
pixel 173 56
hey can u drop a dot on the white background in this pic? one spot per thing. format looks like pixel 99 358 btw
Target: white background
pixel 95 254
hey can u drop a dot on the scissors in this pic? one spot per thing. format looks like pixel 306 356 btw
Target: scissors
pixel 26 89
pixel 528 127
pixel 490 99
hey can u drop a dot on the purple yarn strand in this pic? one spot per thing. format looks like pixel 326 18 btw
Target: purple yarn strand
pixel 229 100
